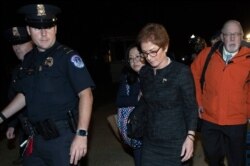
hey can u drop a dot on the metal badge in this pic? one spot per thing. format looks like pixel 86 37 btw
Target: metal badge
pixel 49 61
pixel 15 32
pixel 40 10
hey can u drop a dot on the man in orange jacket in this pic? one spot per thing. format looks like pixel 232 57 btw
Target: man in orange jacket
pixel 225 97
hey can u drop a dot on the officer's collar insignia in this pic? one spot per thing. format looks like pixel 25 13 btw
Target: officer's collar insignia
pixel 49 61
pixel 77 61
pixel 40 68
pixel 15 32
pixel 40 10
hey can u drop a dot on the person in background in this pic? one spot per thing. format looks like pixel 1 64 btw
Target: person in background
pixel 56 90
pixel 215 38
pixel 196 44
pixel 169 94
pixel 127 97
pixel 224 100
pixel 21 44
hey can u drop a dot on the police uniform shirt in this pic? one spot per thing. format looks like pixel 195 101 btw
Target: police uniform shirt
pixel 51 82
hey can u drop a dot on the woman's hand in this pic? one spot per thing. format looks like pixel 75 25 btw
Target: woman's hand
pixel 187 148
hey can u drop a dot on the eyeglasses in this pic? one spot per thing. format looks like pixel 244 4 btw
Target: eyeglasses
pixel 232 34
pixel 137 58
pixel 151 53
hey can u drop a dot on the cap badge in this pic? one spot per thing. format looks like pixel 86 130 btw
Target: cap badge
pixel 15 32
pixel 40 10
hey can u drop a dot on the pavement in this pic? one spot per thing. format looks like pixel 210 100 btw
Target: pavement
pixel 104 147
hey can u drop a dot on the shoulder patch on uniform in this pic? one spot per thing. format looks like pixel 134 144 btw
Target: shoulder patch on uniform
pixel 77 61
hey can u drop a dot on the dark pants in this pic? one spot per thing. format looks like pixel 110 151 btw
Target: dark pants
pixel 54 152
pixel 137 156
pixel 224 141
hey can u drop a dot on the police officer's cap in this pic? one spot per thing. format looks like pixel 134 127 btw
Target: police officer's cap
pixel 17 35
pixel 40 15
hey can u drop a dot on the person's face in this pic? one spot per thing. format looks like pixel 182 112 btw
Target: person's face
pixel 43 38
pixel 155 55
pixel 135 59
pixel 22 49
pixel 232 37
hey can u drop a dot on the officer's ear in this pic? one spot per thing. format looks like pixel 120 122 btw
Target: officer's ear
pixel 28 29
pixel 55 29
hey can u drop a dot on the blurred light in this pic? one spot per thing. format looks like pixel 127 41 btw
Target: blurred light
pixel 248 37
pixel 192 36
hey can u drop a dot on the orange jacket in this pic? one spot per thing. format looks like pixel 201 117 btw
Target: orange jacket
pixel 226 91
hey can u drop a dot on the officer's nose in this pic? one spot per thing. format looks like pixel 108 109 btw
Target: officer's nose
pixel 43 32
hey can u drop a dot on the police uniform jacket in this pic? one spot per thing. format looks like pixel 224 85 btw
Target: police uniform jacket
pixel 51 81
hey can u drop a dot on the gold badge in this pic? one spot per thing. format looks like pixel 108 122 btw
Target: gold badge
pixel 48 62
pixel 40 10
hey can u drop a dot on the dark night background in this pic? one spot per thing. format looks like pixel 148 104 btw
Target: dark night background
pixel 93 27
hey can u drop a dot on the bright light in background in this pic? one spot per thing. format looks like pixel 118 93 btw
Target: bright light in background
pixel 192 36
pixel 248 37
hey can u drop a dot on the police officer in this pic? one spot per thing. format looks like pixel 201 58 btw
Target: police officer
pixel 21 43
pixel 55 84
